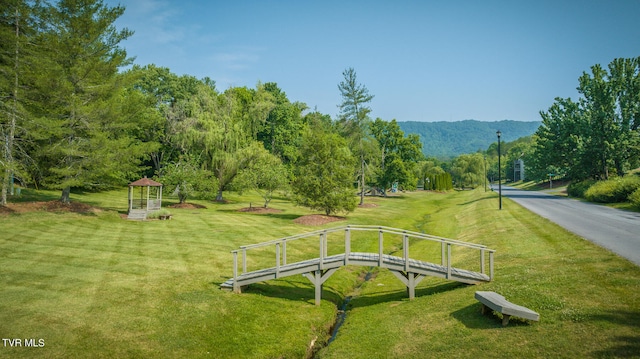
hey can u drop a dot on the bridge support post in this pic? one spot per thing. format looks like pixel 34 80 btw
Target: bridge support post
pixel 409 279
pixel 318 277
pixel 236 287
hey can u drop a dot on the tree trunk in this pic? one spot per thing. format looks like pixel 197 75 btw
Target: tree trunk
pixel 219 196
pixel 361 179
pixel 8 157
pixel 5 180
pixel 65 195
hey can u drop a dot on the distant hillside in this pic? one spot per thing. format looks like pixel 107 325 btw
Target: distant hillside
pixel 450 139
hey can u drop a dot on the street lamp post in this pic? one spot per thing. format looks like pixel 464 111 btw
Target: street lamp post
pixel 499 172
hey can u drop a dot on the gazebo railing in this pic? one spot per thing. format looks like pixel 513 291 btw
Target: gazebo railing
pixel 154 204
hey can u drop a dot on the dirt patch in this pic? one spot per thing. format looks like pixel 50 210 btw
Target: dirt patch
pixel 317 219
pixel 259 210
pixel 48 206
pixel 186 206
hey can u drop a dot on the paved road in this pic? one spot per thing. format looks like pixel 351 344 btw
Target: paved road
pixel 616 230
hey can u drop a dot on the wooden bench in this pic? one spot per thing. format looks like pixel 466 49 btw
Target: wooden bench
pixel 498 303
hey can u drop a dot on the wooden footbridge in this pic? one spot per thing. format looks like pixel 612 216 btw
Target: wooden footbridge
pixel 318 270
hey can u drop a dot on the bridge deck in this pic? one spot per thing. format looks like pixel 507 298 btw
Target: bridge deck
pixel 362 259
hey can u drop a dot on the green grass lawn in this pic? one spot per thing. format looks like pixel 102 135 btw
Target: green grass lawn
pixel 94 285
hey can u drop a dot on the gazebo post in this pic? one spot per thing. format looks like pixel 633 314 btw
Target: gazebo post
pixel 148 190
pixel 130 198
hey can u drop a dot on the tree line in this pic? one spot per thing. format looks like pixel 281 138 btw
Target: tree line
pixel 596 137
pixel 78 113
pixel 593 138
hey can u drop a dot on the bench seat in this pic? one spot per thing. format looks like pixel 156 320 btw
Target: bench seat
pixel 498 303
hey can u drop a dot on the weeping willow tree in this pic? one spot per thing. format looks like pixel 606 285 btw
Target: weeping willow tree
pixel 221 128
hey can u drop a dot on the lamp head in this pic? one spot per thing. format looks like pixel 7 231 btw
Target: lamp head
pixel 498 133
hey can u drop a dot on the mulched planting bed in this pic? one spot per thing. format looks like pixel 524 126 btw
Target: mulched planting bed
pixel 317 219
pixel 259 210
pixel 48 206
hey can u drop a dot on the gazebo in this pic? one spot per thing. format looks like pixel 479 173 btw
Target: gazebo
pixel 149 200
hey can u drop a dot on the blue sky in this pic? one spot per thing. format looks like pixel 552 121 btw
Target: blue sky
pixel 422 60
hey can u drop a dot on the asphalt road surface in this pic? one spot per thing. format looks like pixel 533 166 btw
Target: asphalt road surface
pixel 614 229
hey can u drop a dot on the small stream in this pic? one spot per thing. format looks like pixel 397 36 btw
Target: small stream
pixel 342 315
pixel 342 312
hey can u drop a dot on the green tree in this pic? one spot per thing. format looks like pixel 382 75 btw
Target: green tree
pixel 624 79
pixel 426 170
pixel 170 96
pixel 354 112
pixel 17 29
pixel 468 170
pixel 217 128
pixel 598 136
pixel 324 172
pixel 85 138
pixel 283 127
pixel 185 178
pixel 560 141
pixel 265 175
pixel 399 155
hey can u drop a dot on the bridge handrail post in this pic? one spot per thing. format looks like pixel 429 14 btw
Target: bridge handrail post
pixel 482 260
pixel 347 245
pixel 380 245
pixel 244 260
pixel 448 260
pixel 442 252
pixel 405 247
pixel 284 252
pixel 326 244
pixel 491 265
pixel 321 251
pixel 277 259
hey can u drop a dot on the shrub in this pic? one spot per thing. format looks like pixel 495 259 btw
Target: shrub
pixel 577 189
pixel 614 190
pixel 634 198
pixel 157 214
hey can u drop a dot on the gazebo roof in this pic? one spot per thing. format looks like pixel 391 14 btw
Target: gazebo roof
pixel 142 182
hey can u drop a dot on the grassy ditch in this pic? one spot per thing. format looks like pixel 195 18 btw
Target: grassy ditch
pixel 91 284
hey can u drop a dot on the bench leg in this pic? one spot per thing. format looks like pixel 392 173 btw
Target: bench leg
pixel 484 309
pixel 505 320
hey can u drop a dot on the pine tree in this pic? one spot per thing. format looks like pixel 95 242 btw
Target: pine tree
pixel 85 138
pixel 17 27
pixel 354 119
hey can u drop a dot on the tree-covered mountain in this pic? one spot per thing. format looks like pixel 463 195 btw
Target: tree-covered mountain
pixel 450 139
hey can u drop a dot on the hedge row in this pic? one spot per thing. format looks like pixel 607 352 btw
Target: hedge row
pixel 615 190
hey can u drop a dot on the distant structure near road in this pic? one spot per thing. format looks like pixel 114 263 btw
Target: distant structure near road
pixel 518 170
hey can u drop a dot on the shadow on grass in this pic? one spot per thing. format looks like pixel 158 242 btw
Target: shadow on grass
pixel 399 295
pixel 292 290
pixel 471 316
pixel 285 216
pixel 623 346
pixel 477 200
pixel 295 290
pixel 32 195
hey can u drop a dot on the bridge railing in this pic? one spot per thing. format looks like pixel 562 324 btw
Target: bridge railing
pixel 280 245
